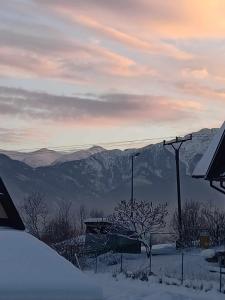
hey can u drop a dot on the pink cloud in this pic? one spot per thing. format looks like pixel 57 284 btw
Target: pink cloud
pixel 202 91
pixel 71 61
pixel 154 46
pixel 197 73
pixel 20 135
pixel 173 19
pixel 109 109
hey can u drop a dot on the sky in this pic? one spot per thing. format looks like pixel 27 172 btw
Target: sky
pixel 76 72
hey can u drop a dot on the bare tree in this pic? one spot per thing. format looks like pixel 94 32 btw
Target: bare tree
pixel 64 210
pixel 196 217
pixel 142 218
pixel 35 212
pixel 215 220
pixel 192 222
pixel 61 227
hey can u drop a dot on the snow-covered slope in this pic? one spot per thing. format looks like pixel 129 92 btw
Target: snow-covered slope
pixel 199 144
pixel 104 178
pixel 194 149
pixel 33 271
pixel 42 157
pixel 81 154
pixel 46 157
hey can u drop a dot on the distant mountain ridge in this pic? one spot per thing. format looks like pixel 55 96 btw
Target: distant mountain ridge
pixel 80 154
pixel 46 157
pixel 103 178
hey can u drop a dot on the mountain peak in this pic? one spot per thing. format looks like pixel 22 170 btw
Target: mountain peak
pixel 102 179
pixel 96 147
pixel 41 150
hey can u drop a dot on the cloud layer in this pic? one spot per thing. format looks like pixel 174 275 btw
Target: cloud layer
pixel 94 111
pixel 136 63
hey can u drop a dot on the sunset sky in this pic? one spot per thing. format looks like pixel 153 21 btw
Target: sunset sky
pixel 97 71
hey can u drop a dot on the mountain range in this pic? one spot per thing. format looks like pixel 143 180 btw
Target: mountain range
pixel 99 178
pixel 46 157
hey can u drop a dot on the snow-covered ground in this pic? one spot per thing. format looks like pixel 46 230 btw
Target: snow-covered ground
pixel 121 288
pixel 198 280
pixel 30 270
pixel 170 265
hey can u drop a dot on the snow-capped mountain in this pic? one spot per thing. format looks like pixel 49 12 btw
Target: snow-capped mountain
pixel 46 157
pixel 42 157
pixel 192 150
pixel 104 178
pixel 80 154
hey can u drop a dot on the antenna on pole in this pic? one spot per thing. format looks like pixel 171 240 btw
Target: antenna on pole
pixel 176 145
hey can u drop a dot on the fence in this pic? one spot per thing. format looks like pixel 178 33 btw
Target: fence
pixel 188 268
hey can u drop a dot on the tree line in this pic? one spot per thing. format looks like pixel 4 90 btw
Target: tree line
pixel 140 217
pixel 56 223
pixel 197 219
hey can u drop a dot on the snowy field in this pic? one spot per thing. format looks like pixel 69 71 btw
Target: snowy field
pixel 121 288
pixel 165 262
pixel 198 280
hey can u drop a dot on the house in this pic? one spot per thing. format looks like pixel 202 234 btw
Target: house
pixel 211 167
pixel 103 236
pixel 32 270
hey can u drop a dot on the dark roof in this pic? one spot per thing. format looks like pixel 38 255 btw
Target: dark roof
pixel 212 164
pixel 100 220
pixel 9 216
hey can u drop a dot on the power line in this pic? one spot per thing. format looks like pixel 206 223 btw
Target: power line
pixel 82 146
pixel 122 143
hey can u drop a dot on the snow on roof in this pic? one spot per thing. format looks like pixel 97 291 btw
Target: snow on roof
pixel 204 164
pixel 97 220
pixel 31 270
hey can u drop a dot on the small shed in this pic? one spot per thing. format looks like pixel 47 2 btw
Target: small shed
pixel 103 236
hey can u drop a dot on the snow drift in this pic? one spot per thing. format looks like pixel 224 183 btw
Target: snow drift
pixel 31 270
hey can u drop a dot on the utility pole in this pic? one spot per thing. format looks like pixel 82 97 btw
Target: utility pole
pixel 179 142
pixel 132 182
